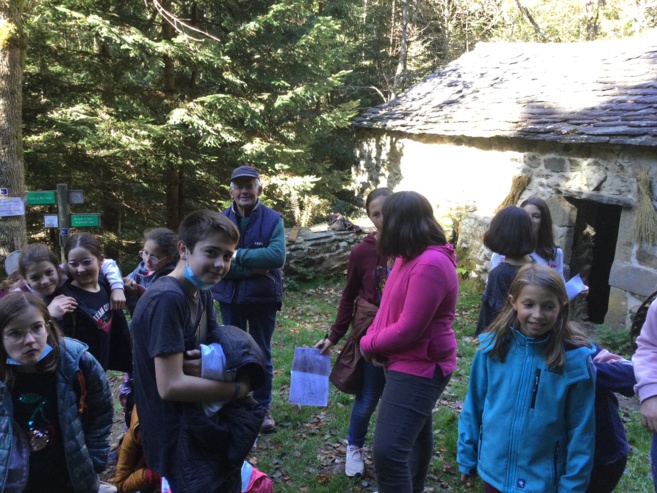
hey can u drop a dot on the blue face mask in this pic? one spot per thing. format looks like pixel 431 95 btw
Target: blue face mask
pixel 196 282
pixel 46 352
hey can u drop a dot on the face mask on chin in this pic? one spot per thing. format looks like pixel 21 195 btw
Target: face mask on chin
pixel 46 352
pixel 196 282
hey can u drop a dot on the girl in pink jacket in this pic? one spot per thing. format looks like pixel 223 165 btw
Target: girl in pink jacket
pixel 412 338
pixel 645 371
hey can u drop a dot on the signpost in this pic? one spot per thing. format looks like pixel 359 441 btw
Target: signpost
pixel 62 198
pixel 63 215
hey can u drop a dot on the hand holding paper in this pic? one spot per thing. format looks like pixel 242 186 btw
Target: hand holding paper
pixel 575 286
pixel 309 385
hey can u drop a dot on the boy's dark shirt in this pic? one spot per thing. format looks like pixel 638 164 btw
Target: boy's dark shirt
pixel 162 324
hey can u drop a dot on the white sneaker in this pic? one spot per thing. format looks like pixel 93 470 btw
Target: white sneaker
pixel 354 464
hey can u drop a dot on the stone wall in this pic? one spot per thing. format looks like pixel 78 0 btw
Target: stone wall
pixel 317 253
pixel 466 179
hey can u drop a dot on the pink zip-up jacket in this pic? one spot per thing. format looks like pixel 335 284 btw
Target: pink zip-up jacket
pixel 413 327
pixel 645 357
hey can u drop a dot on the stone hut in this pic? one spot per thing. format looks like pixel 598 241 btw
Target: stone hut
pixel 580 120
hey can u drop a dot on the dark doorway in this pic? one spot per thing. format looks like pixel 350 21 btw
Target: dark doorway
pixel 594 249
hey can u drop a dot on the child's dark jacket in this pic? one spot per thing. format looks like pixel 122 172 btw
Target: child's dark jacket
pixel 214 448
pixel 496 294
pixel 610 438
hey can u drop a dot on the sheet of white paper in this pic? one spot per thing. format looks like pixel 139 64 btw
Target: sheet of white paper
pixel 574 287
pixel 13 206
pixel 310 377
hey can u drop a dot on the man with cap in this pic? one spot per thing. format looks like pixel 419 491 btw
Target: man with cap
pixel 252 292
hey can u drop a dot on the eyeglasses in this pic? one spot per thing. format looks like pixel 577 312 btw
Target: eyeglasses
pixel 85 262
pixel 16 336
pixel 151 258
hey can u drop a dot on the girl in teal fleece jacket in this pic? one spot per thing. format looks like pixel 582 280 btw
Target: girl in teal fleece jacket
pixel 528 424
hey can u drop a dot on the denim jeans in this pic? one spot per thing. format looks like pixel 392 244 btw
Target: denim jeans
pixel 366 400
pixel 403 439
pixel 653 460
pixel 259 320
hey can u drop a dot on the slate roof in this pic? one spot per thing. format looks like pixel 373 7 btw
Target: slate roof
pixel 593 92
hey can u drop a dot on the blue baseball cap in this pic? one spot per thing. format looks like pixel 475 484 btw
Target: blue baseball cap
pixel 244 172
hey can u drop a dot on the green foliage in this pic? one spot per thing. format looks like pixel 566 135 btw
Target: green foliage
pixel 638 475
pixel 614 340
pixel 572 20
pixel 150 122
pixel 466 264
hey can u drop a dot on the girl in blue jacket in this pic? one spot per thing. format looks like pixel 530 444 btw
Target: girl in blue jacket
pixel 54 400
pixel 528 420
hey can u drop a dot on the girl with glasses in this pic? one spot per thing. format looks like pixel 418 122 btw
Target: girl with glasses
pixel 54 399
pixel 159 256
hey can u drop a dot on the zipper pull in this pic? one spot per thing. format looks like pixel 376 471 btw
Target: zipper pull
pixel 537 379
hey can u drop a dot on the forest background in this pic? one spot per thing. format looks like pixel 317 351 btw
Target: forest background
pixel 147 106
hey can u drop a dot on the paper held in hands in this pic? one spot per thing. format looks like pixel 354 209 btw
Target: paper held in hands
pixel 310 377
pixel 574 287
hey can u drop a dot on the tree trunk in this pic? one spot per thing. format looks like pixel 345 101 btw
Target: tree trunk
pixel 12 174
pixel 537 29
pixel 592 8
pixel 403 52
pixel 173 197
pixel 174 181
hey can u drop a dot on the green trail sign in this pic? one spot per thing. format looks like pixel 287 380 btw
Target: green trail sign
pixel 44 197
pixel 85 220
